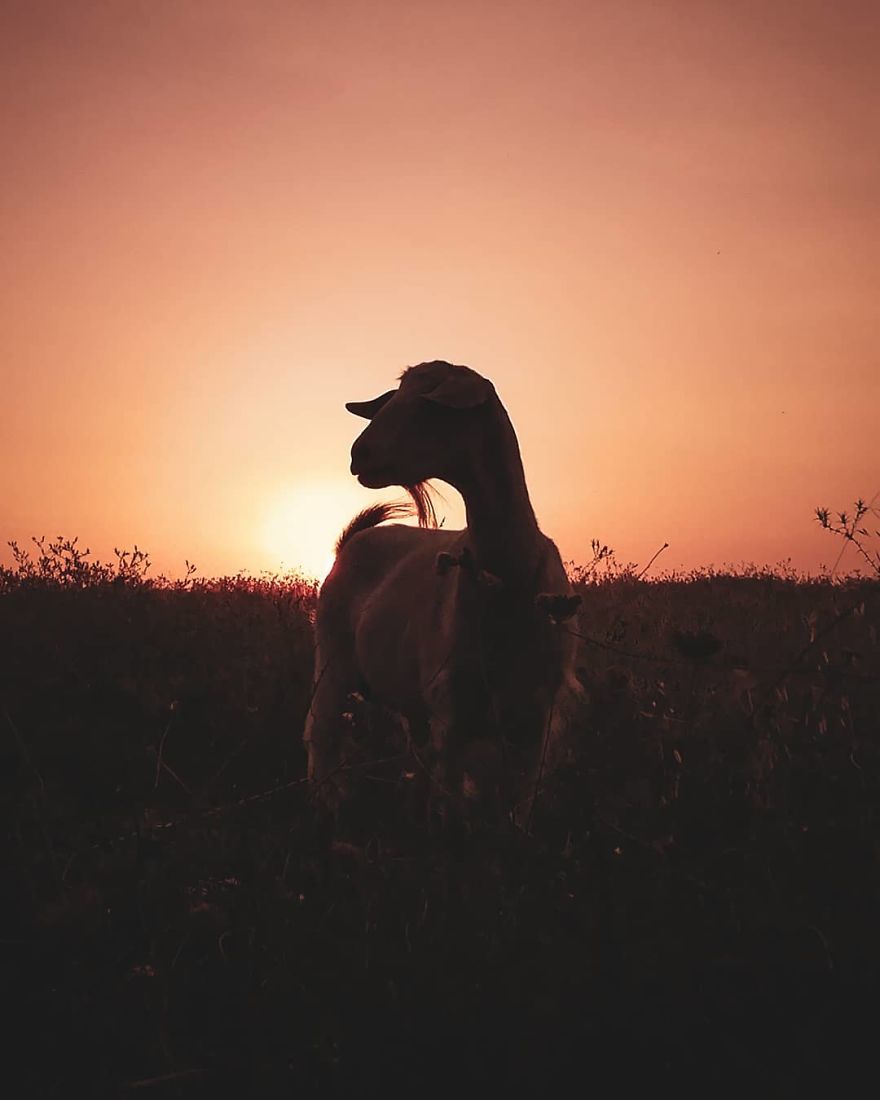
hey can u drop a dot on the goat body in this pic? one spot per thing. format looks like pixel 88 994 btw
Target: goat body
pixel 457 631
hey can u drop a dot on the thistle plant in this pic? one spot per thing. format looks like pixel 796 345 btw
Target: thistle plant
pixel 852 528
pixel 63 563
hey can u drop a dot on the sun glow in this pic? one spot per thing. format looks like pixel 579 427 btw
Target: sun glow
pixel 303 522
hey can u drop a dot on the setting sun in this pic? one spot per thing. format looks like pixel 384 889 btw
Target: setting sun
pixel 303 522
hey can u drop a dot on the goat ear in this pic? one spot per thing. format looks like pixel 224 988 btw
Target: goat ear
pixel 461 389
pixel 368 409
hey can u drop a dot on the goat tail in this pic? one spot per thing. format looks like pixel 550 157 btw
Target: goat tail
pixel 372 517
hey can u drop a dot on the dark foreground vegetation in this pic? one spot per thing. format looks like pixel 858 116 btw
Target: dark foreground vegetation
pixel 694 907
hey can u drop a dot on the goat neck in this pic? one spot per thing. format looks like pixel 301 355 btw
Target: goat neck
pixel 502 530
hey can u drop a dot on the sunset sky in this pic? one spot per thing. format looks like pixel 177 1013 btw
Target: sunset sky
pixel 653 225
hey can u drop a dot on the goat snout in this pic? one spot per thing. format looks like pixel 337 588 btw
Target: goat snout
pixel 369 466
pixel 361 457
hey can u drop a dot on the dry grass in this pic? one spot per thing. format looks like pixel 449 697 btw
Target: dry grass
pixel 695 907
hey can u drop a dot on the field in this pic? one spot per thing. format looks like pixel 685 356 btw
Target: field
pixel 694 906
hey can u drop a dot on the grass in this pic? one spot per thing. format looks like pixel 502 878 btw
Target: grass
pixel 695 908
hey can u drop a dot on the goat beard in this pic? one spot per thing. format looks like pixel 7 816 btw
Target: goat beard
pixel 423 502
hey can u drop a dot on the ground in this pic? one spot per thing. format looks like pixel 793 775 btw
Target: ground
pixel 693 906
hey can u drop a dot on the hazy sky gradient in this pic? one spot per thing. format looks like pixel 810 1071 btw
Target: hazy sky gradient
pixel 653 225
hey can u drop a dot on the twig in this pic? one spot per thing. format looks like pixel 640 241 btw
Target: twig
pixel 829 958
pixel 317 681
pixel 789 669
pixel 650 845
pixel 540 774
pixel 41 808
pixel 159 761
pixel 163 1079
pixel 262 795
pixel 665 546
pixel 248 799
pixel 269 718
pixel 173 774
pixel 424 767
pixel 783 670
pixel 25 752
pixel 626 652
pixel 177 953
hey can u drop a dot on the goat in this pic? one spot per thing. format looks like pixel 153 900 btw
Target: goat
pixel 459 632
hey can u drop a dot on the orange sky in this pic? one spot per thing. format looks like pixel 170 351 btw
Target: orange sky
pixel 653 225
